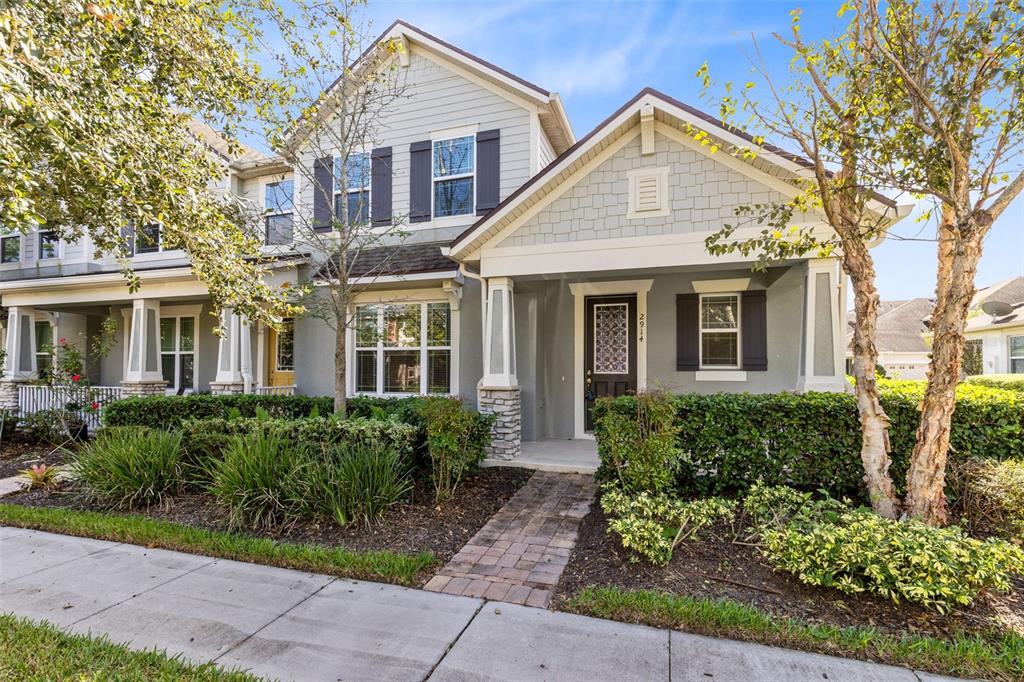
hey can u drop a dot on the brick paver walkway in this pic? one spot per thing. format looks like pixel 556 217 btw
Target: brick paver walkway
pixel 519 555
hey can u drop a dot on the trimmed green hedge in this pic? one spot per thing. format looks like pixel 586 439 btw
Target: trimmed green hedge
pixel 1009 382
pixel 809 441
pixel 169 411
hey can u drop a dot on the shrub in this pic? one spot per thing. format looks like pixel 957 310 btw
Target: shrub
pixel 810 441
pixel 40 476
pixel 130 466
pixel 1008 382
pixel 456 441
pixel 169 411
pixel 260 480
pixel 357 482
pixel 992 496
pixel 773 507
pixel 653 525
pixel 639 449
pixel 53 427
pixel 859 551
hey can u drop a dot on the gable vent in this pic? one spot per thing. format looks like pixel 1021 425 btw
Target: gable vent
pixel 648 192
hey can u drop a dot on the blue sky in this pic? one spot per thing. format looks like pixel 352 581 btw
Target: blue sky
pixel 598 54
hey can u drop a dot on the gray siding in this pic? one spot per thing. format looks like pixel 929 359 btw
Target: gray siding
pixel 704 194
pixel 546 152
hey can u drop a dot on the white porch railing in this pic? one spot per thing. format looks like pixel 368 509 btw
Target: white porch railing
pixel 36 398
pixel 274 390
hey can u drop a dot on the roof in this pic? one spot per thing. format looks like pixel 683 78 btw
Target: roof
pixel 219 144
pixel 553 118
pixel 770 159
pixel 397 260
pixel 1009 291
pixel 900 327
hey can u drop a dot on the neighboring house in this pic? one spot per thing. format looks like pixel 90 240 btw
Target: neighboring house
pixel 563 271
pixel 998 337
pixel 900 338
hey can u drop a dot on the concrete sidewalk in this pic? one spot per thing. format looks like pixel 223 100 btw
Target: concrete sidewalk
pixel 300 626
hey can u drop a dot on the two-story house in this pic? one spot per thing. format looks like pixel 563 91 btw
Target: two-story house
pixel 540 273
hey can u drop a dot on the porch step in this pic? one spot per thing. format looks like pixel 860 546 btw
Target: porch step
pixel 566 456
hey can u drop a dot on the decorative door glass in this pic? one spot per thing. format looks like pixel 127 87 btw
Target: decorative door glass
pixel 611 338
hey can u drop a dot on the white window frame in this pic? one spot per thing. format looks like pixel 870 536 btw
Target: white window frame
pixel 267 213
pixel 424 348
pixel 39 246
pixel 21 249
pixel 38 351
pixel 738 329
pixel 1010 357
pixel 177 316
pixel 444 178
pixel 159 241
pixel 289 325
pixel 338 190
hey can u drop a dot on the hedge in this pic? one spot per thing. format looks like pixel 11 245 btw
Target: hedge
pixel 1009 382
pixel 169 411
pixel 809 441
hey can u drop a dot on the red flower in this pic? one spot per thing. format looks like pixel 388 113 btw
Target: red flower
pixel 75 377
pixel 63 341
pixel 95 405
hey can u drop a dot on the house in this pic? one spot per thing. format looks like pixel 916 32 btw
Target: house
pixel 562 270
pixel 995 327
pixel 903 350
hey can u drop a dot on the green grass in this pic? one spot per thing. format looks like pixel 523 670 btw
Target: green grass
pixel 42 652
pixel 995 656
pixel 392 567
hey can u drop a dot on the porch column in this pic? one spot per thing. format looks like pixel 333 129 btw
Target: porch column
pixel 822 365
pixel 20 359
pixel 143 375
pixel 498 392
pixel 234 356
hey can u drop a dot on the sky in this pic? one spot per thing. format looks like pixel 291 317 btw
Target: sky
pixel 600 53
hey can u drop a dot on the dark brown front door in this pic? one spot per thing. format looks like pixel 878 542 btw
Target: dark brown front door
pixel 609 349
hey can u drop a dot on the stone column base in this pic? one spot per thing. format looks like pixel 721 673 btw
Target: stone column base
pixel 143 388
pixel 506 404
pixel 9 395
pixel 226 388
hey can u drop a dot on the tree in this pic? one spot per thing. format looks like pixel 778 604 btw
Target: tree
pixel 819 113
pixel 342 84
pixel 953 117
pixel 95 101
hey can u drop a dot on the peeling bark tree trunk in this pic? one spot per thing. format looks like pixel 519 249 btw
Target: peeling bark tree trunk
pixel 340 388
pixel 874 422
pixel 926 478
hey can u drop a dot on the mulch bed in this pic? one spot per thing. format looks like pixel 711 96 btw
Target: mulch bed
pixel 18 455
pixel 718 568
pixel 417 526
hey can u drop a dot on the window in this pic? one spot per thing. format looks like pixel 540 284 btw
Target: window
pixel 720 331
pixel 10 248
pixel 44 349
pixel 278 202
pixel 352 197
pixel 49 245
pixel 403 348
pixel 148 238
pixel 178 352
pixel 1016 354
pixel 285 360
pixel 453 176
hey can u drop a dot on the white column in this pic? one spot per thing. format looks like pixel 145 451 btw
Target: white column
pixel 144 342
pixel 234 355
pixel 20 360
pixel 500 335
pixel 822 364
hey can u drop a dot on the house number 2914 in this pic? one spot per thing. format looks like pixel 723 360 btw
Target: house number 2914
pixel 642 325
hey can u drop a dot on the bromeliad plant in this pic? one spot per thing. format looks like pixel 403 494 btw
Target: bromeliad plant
pixel 653 524
pixel 40 476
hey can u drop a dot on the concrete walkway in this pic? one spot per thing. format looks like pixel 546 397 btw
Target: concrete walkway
pixel 520 553
pixel 292 625
pixel 12 484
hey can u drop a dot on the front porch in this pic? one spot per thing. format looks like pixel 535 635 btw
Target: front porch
pixel 563 455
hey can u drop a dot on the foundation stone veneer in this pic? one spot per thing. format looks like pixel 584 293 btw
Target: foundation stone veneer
pixel 506 404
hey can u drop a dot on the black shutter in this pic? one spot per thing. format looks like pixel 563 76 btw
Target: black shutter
pixel 420 178
pixel 380 186
pixel 323 194
pixel 488 170
pixel 687 332
pixel 754 330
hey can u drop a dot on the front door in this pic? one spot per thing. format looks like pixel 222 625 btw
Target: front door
pixel 281 351
pixel 610 349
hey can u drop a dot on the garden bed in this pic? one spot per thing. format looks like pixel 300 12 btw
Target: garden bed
pixel 715 567
pixel 17 455
pixel 420 525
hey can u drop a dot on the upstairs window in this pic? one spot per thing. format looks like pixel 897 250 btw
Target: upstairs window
pixel 453 164
pixel 49 245
pixel 149 239
pixel 10 248
pixel 352 192
pixel 720 331
pixel 279 205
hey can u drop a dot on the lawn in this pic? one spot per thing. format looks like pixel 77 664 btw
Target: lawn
pixel 42 652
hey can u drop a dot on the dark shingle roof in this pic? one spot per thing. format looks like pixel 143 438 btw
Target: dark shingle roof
pixel 901 326
pixel 400 259
pixel 1010 291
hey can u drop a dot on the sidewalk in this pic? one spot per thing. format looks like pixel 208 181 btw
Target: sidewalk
pixel 293 625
